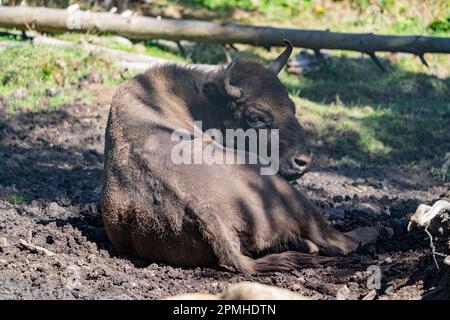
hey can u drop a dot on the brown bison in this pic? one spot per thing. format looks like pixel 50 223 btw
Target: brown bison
pixel 226 215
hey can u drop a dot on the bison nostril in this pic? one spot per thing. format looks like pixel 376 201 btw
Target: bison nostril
pixel 300 162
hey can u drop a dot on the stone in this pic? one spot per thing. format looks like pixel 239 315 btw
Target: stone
pixel 244 291
pixel 3 242
pixel 343 293
pixel 295 287
pixel 371 295
pixel 447 260
pixel 389 290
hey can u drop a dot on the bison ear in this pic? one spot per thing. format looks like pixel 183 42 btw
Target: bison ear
pixel 278 64
pixel 224 85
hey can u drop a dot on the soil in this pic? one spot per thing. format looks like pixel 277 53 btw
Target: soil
pixel 50 177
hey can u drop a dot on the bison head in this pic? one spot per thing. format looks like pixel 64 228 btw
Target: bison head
pixel 252 96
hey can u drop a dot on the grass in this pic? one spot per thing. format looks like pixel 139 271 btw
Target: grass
pixel 39 78
pixel 360 115
pixel 385 16
pixel 380 16
pixel 354 113
pixel 6 294
pixel 17 198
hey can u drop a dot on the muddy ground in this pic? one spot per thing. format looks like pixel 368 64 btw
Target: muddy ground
pixel 55 161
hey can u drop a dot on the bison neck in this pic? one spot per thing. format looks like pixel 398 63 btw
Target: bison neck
pixel 179 98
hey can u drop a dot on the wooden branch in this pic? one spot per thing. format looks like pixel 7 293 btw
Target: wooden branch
pixel 128 60
pixel 34 248
pixel 377 62
pixel 422 59
pixel 425 214
pixel 136 27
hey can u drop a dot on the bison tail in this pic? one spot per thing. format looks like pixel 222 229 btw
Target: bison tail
pixel 291 260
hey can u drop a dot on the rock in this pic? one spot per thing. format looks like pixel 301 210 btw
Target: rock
pixel 244 291
pixel 214 285
pixel 389 290
pixel 371 295
pixel 55 210
pixel 193 296
pixel 309 272
pixel 3 242
pixel 367 208
pixel 343 293
pixel 295 287
pixel 447 260
pixel 257 291
pixel 388 260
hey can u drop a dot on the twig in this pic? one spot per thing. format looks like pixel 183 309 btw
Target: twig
pixel 422 59
pixel 319 55
pixel 34 248
pixel 126 59
pixel 433 248
pixel 180 48
pixel 377 62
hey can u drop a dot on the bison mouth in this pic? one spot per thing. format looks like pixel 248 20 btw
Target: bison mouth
pixel 294 176
pixel 290 174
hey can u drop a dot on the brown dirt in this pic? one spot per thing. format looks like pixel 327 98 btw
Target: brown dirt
pixel 55 160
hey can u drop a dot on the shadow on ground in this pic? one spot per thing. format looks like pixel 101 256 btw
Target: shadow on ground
pixel 56 156
pixel 55 159
pixel 371 117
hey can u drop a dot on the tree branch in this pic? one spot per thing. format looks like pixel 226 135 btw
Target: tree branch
pixel 137 27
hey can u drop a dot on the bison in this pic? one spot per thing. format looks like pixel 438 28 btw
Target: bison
pixel 219 215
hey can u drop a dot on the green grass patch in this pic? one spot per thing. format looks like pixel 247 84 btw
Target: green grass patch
pixel 358 114
pixel 17 198
pixel 382 16
pixel 355 113
pixel 38 78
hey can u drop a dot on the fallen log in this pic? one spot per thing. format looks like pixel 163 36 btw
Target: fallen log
pixel 137 27
pixel 126 60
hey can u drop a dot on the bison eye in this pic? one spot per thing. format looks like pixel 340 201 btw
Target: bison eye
pixel 256 121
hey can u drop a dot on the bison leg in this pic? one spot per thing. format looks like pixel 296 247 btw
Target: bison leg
pixel 321 237
pixel 227 247
pixel 332 242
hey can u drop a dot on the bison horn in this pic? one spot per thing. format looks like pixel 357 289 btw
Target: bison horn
pixel 278 64
pixel 229 89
